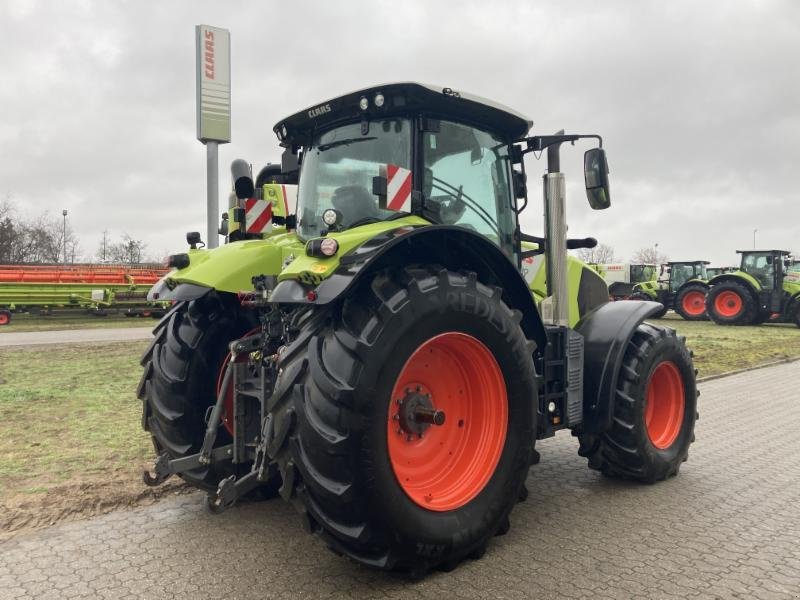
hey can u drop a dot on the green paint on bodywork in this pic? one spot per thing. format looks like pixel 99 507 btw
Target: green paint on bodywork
pixel 535 273
pixel 231 267
pixel 312 270
pixel 741 274
pixel 651 288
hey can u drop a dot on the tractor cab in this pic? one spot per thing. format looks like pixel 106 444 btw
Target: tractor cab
pixel 682 271
pixel 642 273
pixel 765 266
pixel 391 151
pixel 453 159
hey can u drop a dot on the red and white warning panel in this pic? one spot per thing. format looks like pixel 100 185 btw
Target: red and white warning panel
pixel 279 200
pixel 258 215
pixel 398 188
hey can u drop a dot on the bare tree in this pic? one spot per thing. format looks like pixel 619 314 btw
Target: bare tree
pixel 649 255
pixel 600 254
pixel 38 240
pixel 8 233
pixel 129 250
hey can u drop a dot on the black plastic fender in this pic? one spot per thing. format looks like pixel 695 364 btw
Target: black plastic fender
pixel 455 248
pixel 606 332
pixel 161 291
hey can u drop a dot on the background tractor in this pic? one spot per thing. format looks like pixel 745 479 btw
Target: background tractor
pixel 683 291
pixel 623 277
pixel 397 348
pixel 765 288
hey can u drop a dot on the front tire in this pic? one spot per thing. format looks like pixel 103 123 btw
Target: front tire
pixel 439 340
pixel 655 408
pixel 180 381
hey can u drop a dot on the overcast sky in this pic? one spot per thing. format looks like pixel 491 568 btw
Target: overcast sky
pixel 698 104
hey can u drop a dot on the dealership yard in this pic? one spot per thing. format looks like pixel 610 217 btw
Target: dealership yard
pixel 726 527
pixel 71 443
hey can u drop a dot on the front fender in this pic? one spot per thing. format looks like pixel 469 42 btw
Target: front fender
pixel 606 332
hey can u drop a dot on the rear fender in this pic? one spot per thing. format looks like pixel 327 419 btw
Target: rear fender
pixel 606 332
pixel 699 282
pixel 454 248
pixel 739 277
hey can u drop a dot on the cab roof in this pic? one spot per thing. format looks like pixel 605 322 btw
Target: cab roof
pixel 784 252
pixel 688 262
pixel 403 99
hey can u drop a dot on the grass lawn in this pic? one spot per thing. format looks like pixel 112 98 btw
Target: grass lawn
pixel 71 440
pixel 719 349
pixel 69 429
pixel 76 320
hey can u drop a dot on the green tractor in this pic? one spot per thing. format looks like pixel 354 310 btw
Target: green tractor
pixel 386 359
pixel 684 291
pixel 622 278
pixel 765 288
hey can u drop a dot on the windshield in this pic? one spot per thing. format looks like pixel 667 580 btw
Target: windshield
pixel 338 171
pixel 642 273
pixel 681 273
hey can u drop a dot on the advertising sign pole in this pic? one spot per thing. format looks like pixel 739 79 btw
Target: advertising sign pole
pixel 213 52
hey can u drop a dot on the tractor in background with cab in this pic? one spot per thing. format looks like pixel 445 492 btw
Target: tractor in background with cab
pixel 684 289
pixel 765 288
pixel 387 357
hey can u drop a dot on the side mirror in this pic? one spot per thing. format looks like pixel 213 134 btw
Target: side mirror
pixel 290 163
pixel 519 180
pixel 769 260
pixel 242 180
pixel 595 173
pixel 787 262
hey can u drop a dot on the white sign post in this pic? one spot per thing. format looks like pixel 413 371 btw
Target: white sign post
pixel 213 52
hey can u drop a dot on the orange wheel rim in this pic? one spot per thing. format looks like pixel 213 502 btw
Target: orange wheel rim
pixel 665 402
pixel 227 403
pixel 728 304
pixel 4 319
pixel 694 303
pixel 442 467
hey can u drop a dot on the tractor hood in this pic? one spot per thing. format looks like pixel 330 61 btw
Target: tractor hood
pixel 229 268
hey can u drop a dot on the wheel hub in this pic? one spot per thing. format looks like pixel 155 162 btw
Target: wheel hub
pixel 416 413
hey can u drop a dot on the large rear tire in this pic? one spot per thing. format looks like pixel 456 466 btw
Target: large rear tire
pixel 731 303
pixel 690 302
pixel 655 409
pixel 180 381
pixel 371 480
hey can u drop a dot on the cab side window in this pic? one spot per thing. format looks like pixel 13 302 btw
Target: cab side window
pixel 466 181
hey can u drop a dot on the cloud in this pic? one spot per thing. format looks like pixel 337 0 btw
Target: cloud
pixel 698 104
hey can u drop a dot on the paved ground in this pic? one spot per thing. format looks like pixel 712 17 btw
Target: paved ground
pixel 727 527
pixel 69 336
